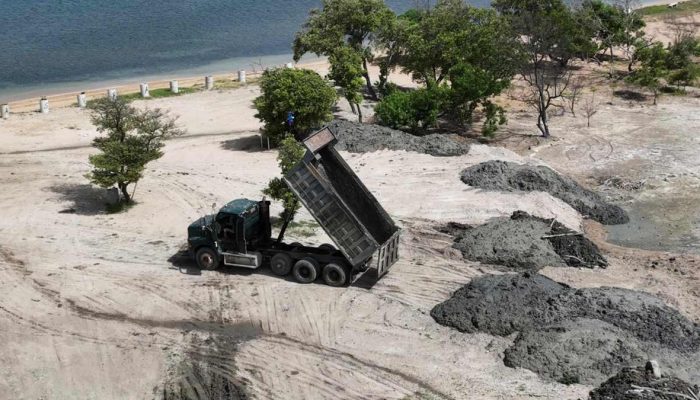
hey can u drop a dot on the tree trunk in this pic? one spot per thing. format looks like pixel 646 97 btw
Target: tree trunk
pixel 352 107
pixel 123 188
pixel 370 88
pixel 542 124
pixel 612 62
pixel 359 113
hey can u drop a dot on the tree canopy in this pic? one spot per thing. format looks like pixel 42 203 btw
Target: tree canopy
pixel 462 54
pixel 354 23
pixel 304 93
pixel 133 138
pixel 290 153
pixel 346 71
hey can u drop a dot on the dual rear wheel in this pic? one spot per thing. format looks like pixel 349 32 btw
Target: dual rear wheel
pixel 308 270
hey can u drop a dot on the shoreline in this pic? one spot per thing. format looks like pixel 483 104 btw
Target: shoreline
pixel 130 85
pixel 28 100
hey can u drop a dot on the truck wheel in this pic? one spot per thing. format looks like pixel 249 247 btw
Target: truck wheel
pixel 207 258
pixel 334 275
pixel 281 264
pixel 328 248
pixel 305 270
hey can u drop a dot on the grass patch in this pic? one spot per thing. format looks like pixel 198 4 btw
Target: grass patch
pixel 159 94
pixel 233 84
pixel 686 7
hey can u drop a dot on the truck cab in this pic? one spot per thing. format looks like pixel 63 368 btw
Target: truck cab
pixel 232 230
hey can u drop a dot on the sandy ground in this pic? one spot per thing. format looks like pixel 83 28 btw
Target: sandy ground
pixel 92 305
pixel 92 308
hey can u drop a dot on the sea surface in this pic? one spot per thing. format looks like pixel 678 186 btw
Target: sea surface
pixel 55 46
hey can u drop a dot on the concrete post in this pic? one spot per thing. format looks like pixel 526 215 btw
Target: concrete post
pixel 289 65
pixel 44 105
pixel 174 87
pixel 5 111
pixel 209 82
pixel 241 76
pixel 144 90
pixel 112 94
pixel 82 100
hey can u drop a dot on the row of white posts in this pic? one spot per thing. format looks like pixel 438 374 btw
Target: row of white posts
pixel 112 93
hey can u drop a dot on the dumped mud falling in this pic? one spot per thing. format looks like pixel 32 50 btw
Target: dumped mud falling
pixel 525 242
pixel 574 335
pixel 507 176
pixel 364 138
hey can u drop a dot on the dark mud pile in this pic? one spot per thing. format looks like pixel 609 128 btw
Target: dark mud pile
pixel 636 383
pixel 363 138
pixel 525 242
pixel 507 176
pixel 574 335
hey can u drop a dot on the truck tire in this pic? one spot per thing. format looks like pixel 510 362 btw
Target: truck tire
pixel 207 259
pixel 328 248
pixel 281 264
pixel 305 270
pixel 335 275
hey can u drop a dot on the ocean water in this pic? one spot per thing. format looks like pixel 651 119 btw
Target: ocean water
pixel 54 46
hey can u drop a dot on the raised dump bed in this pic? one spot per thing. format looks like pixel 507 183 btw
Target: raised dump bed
pixel 343 206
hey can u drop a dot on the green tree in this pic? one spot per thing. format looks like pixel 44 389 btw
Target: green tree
pixel 683 70
pixel 346 71
pixel 432 41
pixel 344 22
pixel 550 27
pixel 290 153
pixel 463 55
pixel 616 25
pixel 652 70
pixel 545 27
pixel 133 138
pixel 302 92
pixel 472 87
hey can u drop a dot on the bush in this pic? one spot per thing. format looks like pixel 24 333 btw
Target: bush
pixel 302 92
pixel 415 109
pixel 395 110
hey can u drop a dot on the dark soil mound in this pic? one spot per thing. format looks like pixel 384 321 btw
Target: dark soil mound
pixel 646 387
pixel 571 335
pixel 363 138
pixel 576 351
pixel 506 176
pixel 525 242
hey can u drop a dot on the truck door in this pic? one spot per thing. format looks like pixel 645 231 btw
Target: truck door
pixel 240 235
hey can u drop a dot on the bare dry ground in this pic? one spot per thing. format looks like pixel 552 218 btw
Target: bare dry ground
pixel 96 305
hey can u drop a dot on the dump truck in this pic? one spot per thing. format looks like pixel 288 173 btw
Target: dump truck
pixel 364 235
